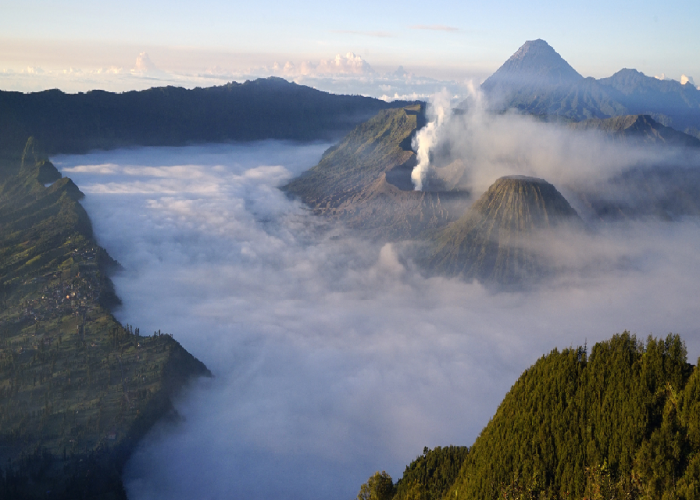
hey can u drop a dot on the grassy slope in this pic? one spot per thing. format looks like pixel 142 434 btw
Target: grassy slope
pixel 77 389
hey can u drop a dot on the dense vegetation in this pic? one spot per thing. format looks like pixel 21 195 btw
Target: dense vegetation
pixel 620 422
pixel 77 389
pixel 428 477
pixel 269 108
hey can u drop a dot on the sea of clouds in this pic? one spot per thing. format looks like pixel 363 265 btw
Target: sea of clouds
pixel 334 357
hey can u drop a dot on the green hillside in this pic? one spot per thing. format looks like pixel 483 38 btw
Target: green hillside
pixel 77 389
pixel 622 421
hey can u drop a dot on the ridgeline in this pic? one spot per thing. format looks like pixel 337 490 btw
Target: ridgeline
pixel 77 389
pixel 536 80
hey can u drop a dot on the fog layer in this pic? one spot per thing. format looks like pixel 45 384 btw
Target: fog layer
pixel 334 358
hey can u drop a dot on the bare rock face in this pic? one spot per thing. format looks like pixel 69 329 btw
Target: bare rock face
pixel 495 240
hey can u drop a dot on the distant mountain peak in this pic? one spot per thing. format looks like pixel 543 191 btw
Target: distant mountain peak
pixel 535 63
pixel 532 46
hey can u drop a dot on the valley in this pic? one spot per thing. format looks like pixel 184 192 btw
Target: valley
pixel 350 320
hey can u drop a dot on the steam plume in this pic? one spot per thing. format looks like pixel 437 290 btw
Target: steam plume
pixel 427 137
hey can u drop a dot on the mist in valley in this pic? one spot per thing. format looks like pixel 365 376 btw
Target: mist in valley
pixel 334 356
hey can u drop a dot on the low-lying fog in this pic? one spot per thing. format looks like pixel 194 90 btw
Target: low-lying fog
pixel 333 357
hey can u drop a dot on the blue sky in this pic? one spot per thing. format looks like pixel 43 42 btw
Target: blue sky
pixel 442 39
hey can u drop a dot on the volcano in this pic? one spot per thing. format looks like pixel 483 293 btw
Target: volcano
pixel 494 240
pixel 536 63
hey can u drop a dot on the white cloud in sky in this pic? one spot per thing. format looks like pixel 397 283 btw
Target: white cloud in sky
pixel 349 64
pixel 343 74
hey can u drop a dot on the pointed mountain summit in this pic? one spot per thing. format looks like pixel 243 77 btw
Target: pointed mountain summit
pixel 493 241
pixel 536 63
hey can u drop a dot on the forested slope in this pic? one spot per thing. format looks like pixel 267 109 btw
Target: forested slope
pixel 622 421
pixel 77 389
pixel 269 108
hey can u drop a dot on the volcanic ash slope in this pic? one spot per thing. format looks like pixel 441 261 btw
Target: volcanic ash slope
pixel 495 240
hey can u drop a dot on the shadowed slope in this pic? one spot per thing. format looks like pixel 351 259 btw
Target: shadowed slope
pixel 266 108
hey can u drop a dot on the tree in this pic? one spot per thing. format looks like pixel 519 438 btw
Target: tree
pixel 380 486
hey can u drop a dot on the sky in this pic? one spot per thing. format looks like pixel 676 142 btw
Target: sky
pixel 77 45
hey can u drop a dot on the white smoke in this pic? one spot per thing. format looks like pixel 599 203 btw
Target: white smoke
pixel 426 138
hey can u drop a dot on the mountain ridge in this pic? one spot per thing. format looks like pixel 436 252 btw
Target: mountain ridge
pixel 78 390
pixel 266 108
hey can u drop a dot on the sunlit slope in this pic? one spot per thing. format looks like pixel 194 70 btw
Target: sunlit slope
pixel 620 422
pixel 365 181
pixel 77 389
pixel 431 474
pixel 493 241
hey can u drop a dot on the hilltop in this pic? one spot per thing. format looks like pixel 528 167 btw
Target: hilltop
pixel 638 130
pixel 535 64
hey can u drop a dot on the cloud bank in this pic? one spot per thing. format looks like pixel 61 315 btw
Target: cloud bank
pixel 334 357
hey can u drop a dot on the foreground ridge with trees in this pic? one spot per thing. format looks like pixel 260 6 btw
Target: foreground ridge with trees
pixel 78 390
pixel 620 422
